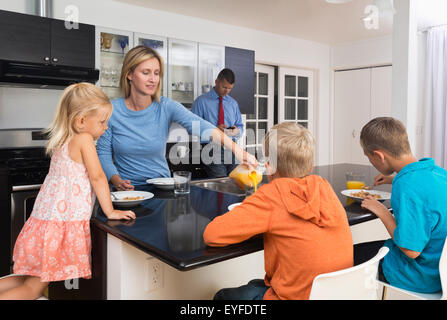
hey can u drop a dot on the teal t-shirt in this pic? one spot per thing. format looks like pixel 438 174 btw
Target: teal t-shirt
pixel 419 202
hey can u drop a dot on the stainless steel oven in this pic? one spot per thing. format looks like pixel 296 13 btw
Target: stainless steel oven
pixel 22 203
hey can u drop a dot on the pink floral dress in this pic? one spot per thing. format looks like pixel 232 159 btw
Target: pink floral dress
pixel 55 243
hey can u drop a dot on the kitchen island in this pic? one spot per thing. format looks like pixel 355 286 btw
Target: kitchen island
pixel 161 254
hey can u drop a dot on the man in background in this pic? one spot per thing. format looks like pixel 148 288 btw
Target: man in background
pixel 218 108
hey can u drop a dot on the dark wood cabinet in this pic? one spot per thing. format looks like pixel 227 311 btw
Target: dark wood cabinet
pixel 242 62
pixel 28 38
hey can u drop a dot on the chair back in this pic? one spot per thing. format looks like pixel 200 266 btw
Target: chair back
pixel 355 283
pixel 443 271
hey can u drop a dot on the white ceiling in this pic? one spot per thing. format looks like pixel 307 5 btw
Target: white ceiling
pixel 314 20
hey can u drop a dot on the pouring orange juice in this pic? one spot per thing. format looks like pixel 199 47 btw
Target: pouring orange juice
pixel 244 177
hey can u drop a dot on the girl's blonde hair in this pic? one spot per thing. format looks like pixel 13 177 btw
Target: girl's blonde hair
pixel 77 100
pixel 289 148
pixel 133 58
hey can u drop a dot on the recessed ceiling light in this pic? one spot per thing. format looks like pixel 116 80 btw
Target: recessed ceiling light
pixel 337 1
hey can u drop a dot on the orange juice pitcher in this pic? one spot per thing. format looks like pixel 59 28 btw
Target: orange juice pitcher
pixel 244 177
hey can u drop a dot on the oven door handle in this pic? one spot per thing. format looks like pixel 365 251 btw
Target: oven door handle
pixel 26 188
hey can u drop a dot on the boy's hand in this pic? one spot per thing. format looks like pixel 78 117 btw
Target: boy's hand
pixel 121 215
pixel 381 179
pixel 373 205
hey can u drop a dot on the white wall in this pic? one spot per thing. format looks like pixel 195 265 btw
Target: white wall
pixel 270 48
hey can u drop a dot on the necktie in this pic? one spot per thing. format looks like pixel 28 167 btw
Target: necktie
pixel 221 119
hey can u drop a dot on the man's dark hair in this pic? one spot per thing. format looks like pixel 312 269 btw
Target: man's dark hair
pixel 226 74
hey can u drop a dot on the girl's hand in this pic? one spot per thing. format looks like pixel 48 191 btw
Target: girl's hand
pixel 120 184
pixel 381 179
pixel 121 215
pixel 373 205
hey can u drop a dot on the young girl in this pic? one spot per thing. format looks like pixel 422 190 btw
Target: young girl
pixel 54 243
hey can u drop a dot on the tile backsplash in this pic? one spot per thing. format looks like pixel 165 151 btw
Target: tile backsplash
pixel 27 107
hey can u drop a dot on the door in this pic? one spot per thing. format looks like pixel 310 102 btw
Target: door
pixel 160 44
pixel 111 47
pixel 258 123
pixel 24 37
pixel 351 112
pixel 211 62
pixel 295 93
pixel 72 47
pixel 359 96
pixel 182 75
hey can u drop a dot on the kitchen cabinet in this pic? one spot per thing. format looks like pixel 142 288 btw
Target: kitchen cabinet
pixel 211 62
pixel 111 47
pixel 359 96
pixel 182 74
pixel 28 38
pixel 160 44
pixel 242 63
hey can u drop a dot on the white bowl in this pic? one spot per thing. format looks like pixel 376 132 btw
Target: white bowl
pixel 122 202
pixel 162 183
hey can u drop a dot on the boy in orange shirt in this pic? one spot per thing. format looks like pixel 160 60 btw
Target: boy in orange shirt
pixel 305 226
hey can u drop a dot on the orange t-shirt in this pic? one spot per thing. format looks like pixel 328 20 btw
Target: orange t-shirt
pixel 306 233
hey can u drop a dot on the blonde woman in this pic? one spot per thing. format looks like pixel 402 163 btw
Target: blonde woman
pixel 54 243
pixel 133 149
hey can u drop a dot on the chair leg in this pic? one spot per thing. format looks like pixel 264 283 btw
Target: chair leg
pixel 384 292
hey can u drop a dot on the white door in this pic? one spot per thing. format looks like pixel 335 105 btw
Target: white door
pixel 359 96
pixel 295 92
pixel 258 123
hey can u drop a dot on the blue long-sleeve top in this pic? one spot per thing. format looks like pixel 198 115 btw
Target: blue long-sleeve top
pixel 207 107
pixel 134 145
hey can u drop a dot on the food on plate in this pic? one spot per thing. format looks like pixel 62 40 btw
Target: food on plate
pixel 364 194
pixel 133 198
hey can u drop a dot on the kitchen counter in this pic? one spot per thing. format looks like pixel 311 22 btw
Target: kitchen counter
pixel 170 227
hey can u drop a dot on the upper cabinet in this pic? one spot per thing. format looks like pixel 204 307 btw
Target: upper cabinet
pixel 211 61
pixel 182 75
pixel 111 47
pixel 242 63
pixel 29 38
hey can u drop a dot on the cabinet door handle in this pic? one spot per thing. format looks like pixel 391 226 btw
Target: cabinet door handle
pixel 55 59
pixel 46 58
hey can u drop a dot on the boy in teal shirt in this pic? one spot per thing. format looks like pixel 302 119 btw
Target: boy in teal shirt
pixel 419 201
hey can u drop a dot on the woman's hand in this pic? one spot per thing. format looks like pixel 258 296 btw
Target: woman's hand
pixel 381 179
pixel 120 184
pixel 250 160
pixel 121 215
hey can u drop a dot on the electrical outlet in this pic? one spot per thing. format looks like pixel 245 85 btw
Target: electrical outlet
pixel 154 274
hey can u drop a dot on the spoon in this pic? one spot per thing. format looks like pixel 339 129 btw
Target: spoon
pixel 113 196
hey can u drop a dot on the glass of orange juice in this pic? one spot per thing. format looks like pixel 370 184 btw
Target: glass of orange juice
pixel 355 180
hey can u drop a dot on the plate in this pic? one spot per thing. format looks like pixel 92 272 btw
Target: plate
pixel 383 194
pixel 121 195
pixel 162 183
pixel 232 206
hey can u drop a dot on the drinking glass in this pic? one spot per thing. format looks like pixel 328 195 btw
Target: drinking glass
pixel 355 180
pixel 182 181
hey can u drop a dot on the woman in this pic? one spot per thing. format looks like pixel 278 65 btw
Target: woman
pixel 139 125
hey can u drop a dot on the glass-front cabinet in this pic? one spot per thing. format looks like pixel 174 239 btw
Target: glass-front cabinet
pixel 211 62
pixel 160 44
pixel 182 73
pixel 111 47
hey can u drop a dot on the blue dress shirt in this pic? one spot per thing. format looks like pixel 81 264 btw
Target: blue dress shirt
pixel 207 107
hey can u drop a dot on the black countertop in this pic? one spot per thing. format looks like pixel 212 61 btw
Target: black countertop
pixel 170 227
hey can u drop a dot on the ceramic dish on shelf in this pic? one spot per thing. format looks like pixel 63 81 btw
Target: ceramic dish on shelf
pixel 359 194
pixel 234 205
pixel 130 198
pixel 162 183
